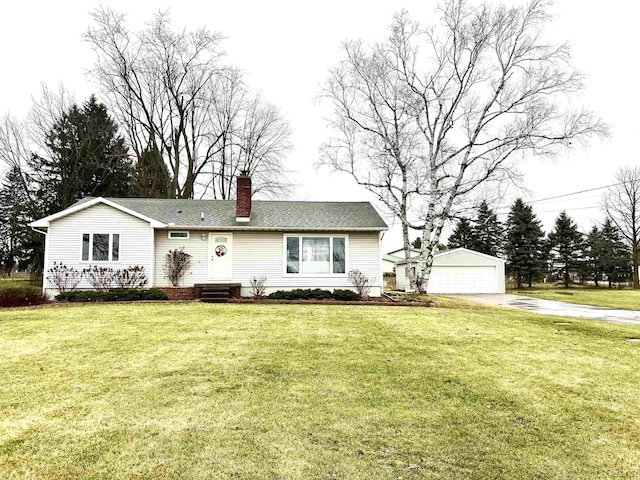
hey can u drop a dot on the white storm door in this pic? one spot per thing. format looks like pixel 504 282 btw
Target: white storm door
pixel 220 254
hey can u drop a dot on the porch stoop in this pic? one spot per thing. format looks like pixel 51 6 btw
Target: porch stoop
pixel 217 292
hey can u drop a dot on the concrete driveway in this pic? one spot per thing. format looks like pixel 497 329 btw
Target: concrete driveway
pixel 563 309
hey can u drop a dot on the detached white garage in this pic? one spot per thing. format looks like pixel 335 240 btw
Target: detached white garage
pixel 459 271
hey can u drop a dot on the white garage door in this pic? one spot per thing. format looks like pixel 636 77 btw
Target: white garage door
pixel 471 279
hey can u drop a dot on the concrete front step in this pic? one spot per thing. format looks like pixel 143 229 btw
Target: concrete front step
pixel 214 300
pixel 217 293
pixel 214 295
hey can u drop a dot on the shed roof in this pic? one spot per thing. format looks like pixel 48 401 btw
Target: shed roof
pixel 449 252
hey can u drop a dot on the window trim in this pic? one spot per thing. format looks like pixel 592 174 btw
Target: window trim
pixel 170 232
pixel 406 270
pixel 102 232
pixel 316 235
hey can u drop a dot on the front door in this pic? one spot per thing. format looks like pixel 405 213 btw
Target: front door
pixel 220 250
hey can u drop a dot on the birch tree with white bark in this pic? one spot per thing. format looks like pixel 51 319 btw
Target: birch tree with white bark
pixel 430 114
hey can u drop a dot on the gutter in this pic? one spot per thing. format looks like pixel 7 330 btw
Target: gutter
pixel 220 228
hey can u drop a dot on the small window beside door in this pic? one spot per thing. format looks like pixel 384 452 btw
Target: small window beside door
pixel 178 235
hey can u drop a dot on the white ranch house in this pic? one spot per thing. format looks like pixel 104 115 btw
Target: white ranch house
pixel 458 271
pixel 291 244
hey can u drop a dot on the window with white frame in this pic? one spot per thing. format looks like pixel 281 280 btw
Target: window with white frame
pixel 178 235
pixel 100 247
pixel 316 254
pixel 406 272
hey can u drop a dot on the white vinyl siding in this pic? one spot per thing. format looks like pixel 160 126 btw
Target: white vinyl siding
pixel 197 245
pixel 460 271
pixel 65 238
pixel 262 254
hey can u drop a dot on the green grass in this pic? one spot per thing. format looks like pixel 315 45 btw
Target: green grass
pixel 305 392
pixel 17 281
pixel 599 297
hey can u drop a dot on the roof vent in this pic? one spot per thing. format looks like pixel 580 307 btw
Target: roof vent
pixel 201 216
pixel 179 210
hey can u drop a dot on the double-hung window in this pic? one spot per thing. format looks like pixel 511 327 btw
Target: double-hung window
pixel 316 254
pixel 100 247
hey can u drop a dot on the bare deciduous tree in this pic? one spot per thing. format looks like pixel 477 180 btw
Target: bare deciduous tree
pixel 428 116
pixel 21 139
pixel 172 94
pixel 251 135
pixel 621 203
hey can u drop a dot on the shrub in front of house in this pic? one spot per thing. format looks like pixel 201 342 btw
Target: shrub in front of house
pixel 21 297
pixel 348 295
pixel 113 295
pixel 301 294
pixel 314 294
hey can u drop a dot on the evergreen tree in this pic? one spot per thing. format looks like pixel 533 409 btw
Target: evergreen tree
pixel 19 245
pixel 462 236
pixel 594 255
pixel 153 179
pixel 567 246
pixel 86 157
pixel 524 247
pixel 487 231
pixel 616 261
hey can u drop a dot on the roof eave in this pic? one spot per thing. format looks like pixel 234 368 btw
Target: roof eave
pixel 272 229
pixel 46 221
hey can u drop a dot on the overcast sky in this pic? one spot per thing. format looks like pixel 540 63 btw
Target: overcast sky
pixel 286 47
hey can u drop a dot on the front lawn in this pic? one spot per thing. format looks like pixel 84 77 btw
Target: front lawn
pixel 302 392
pixel 598 297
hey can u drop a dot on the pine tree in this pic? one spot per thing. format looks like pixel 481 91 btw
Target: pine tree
pixel 594 255
pixel 567 246
pixel 462 236
pixel 616 262
pixel 86 157
pixel 487 231
pixel 19 245
pixel 153 179
pixel 524 246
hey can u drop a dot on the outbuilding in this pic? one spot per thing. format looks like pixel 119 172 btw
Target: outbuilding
pixel 459 270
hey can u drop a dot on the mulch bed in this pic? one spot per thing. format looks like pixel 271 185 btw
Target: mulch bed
pixel 406 301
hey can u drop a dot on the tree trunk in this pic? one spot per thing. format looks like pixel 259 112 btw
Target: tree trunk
pixel 636 263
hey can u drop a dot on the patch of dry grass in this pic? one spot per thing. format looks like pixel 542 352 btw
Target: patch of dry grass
pixel 306 391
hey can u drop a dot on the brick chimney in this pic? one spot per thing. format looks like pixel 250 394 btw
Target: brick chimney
pixel 243 197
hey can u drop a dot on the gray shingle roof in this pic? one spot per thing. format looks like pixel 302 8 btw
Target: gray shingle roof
pixel 265 215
